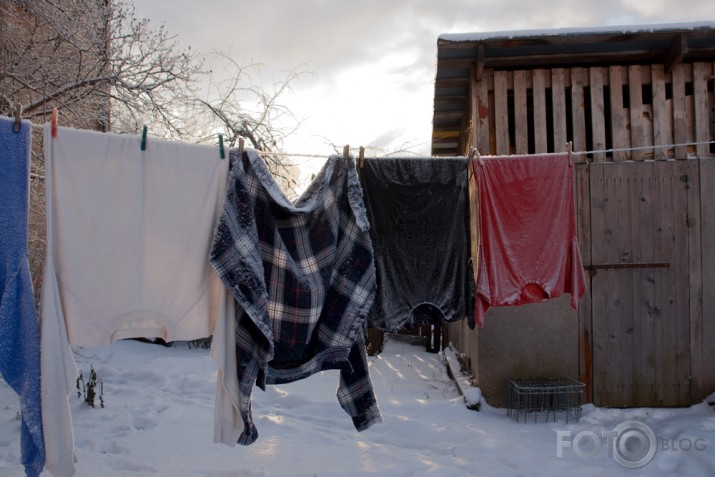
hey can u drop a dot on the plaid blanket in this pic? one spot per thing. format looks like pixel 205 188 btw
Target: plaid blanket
pixel 303 274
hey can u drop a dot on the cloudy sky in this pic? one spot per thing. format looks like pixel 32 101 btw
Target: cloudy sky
pixel 370 64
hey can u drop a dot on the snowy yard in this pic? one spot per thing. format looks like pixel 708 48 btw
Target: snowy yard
pixel 158 421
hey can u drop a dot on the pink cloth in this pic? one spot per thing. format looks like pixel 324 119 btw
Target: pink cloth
pixel 528 251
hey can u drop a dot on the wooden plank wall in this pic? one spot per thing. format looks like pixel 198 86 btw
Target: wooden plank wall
pixel 675 109
pixel 624 113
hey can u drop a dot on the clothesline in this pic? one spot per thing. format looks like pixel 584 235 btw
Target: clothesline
pixel 643 148
pixel 578 153
pixel 575 153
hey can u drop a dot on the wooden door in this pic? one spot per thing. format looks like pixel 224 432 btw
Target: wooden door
pixel 640 292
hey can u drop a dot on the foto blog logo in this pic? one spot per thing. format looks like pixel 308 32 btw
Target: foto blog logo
pixel 632 444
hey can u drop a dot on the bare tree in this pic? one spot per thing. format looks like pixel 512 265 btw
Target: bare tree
pixel 237 108
pixel 87 56
pixel 105 69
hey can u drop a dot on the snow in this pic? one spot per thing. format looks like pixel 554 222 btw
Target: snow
pixel 158 421
pixel 624 29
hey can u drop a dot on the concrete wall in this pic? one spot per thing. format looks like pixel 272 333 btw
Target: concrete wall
pixel 529 341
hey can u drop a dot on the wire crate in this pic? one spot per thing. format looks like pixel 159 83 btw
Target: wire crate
pixel 544 396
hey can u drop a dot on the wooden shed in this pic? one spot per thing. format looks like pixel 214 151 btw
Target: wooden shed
pixel 637 104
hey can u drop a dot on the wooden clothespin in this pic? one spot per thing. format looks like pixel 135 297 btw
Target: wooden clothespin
pixel 18 118
pixel 362 156
pixel 241 145
pixel 143 143
pixel 346 154
pixel 221 151
pixel 474 154
pixel 53 122
pixel 569 149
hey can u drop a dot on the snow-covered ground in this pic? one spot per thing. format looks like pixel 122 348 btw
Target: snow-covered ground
pixel 158 421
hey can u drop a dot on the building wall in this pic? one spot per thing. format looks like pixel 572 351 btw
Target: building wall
pixel 529 341
pixel 631 108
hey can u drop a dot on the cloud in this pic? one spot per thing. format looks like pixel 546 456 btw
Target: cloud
pixel 374 61
pixel 330 35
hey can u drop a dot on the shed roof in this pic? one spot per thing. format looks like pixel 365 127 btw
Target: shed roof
pixel 460 55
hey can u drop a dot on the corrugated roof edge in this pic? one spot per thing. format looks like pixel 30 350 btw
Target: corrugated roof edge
pixel 622 29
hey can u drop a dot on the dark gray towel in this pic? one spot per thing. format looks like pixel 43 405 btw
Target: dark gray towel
pixel 419 224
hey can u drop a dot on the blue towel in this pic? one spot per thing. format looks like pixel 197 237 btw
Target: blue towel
pixel 19 329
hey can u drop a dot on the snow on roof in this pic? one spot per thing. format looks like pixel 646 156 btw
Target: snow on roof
pixel 622 29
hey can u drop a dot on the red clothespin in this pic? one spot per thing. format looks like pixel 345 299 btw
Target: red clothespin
pixel 18 118
pixel 53 122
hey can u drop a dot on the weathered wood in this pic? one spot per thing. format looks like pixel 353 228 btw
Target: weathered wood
pixel 642 321
pixel 583 230
pixel 598 119
pixel 521 116
pixel 707 230
pixel 473 113
pixel 701 74
pixel 677 51
pixel 492 117
pixel 578 114
pixel 641 209
pixel 539 99
pixel 558 103
pixel 619 133
pixel 619 290
pixel 635 98
pixel 620 307
pixel 666 287
pixel 483 116
pixel 501 112
pixel 682 358
pixel 599 292
pixel 479 70
pixel 695 282
pixel 680 124
pixel 612 289
pixel 662 135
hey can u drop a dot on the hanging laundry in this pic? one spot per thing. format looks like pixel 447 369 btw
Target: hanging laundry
pixel 128 239
pixel 19 329
pixel 303 277
pixel 528 250
pixel 419 217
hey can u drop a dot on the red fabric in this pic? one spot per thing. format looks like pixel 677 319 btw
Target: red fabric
pixel 528 251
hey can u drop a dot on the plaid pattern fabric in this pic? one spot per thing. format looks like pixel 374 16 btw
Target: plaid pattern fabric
pixel 303 274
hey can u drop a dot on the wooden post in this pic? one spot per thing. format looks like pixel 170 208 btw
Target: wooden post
pixel 680 123
pixel 598 118
pixel 538 89
pixel 700 99
pixel 521 120
pixel 558 101
pixel 635 97
pixel 619 133
pixel 501 112
pixel 662 134
pixel 578 82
